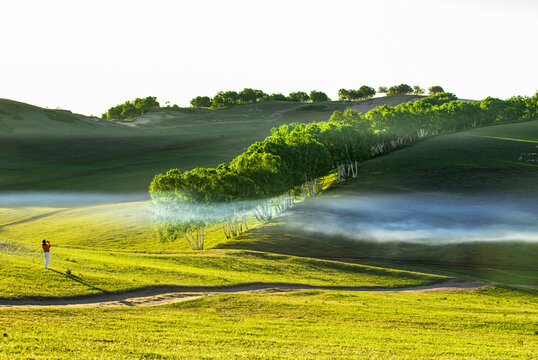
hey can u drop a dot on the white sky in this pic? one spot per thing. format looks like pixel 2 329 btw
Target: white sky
pixel 87 56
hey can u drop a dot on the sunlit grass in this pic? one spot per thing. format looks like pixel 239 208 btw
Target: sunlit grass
pixel 84 271
pixel 487 324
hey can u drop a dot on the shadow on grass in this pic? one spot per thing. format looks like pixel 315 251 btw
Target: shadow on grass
pixel 78 279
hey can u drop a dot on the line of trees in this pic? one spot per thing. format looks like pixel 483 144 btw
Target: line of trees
pixel 404 89
pixel 130 109
pixel 266 178
pixel 247 96
pixel 224 99
pixel 363 93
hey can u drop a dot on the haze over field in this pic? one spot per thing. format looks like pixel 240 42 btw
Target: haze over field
pixel 420 218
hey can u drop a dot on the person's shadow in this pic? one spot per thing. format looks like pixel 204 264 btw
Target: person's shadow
pixel 78 279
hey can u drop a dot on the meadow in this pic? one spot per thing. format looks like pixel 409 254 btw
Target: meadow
pixel 103 247
pixel 478 166
pixel 494 323
pixel 115 156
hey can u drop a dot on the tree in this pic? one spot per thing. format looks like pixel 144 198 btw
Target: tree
pixel 298 96
pixel 260 95
pixel 225 98
pixel 317 96
pixel 366 92
pixel 343 94
pixel 277 97
pixel 382 90
pixel 218 101
pixel 130 109
pixel 246 96
pixel 417 90
pixel 201 102
pixel 146 104
pixel 435 90
pixel 402 89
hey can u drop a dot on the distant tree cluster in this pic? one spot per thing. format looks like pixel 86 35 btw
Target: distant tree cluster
pixel 130 109
pixel 263 179
pixel 225 99
pixel 364 92
pixel 435 90
pixel 404 89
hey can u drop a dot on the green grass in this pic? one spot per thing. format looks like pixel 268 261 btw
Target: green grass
pixel 111 248
pixel 77 272
pixel 481 161
pixel 47 150
pixel 489 324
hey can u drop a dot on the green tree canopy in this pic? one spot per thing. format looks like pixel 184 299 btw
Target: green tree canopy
pixel 298 96
pixel 130 109
pixel 278 97
pixel 402 89
pixel 432 90
pixel 247 96
pixel 201 102
pixel 317 96
pixel 417 90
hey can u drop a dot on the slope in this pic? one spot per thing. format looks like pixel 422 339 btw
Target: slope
pixel 464 200
pixel 44 149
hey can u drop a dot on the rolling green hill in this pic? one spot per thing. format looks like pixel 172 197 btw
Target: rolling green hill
pixel 454 183
pixel 110 248
pixel 44 149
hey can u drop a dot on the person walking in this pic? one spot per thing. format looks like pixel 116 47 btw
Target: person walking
pixel 46 250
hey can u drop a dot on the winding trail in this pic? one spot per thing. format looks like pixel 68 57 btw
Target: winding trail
pixel 161 296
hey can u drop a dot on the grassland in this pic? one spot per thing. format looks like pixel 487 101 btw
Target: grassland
pixel 127 226
pixel 109 248
pixel 43 149
pixel 481 162
pixel 495 323
pixel 78 272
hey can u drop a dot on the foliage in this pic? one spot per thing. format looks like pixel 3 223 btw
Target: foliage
pixel 278 97
pixel 296 154
pixel 201 102
pixel 298 96
pixel 317 96
pixel 130 109
pixel 364 92
pixel 432 90
pixel 382 90
pixel 417 90
pixel 225 99
pixel 402 89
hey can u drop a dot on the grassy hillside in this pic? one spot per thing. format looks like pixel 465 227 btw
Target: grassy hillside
pixel 43 149
pixel 442 164
pixel 487 324
pixel 77 271
pixel 473 176
pixel 110 248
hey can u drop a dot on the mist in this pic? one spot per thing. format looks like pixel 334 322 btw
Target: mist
pixel 427 218
pixel 65 199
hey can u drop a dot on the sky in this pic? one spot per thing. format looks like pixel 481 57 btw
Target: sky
pixel 87 56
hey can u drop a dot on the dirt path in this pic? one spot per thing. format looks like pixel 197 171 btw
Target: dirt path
pixel 161 296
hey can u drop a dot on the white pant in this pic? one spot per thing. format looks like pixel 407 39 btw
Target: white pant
pixel 47 260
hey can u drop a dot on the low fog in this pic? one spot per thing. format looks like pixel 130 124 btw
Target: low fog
pixel 424 218
pixel 430 218
pixel 65 199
